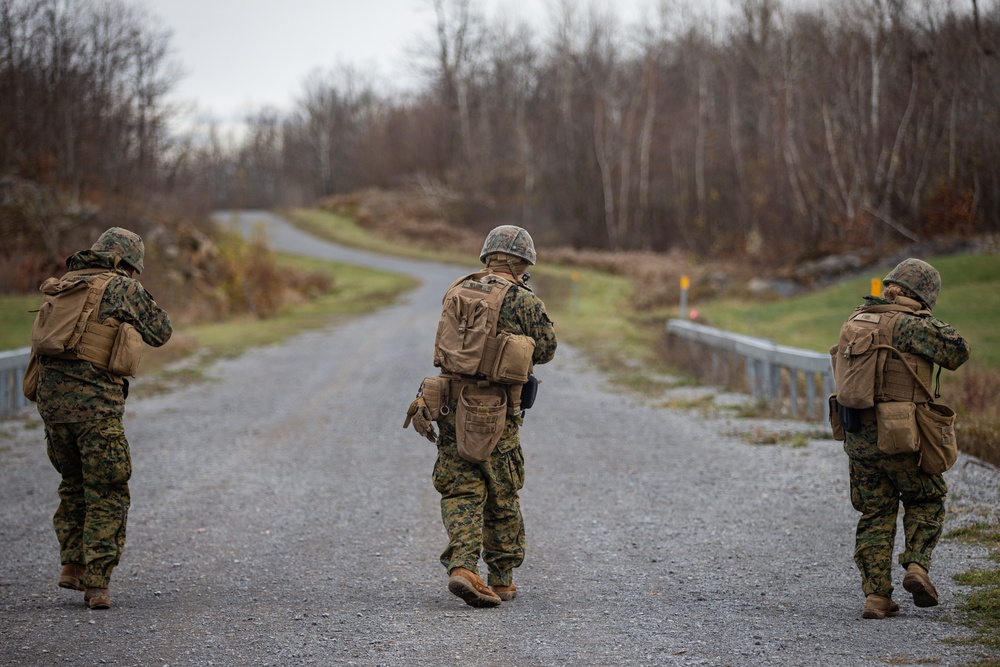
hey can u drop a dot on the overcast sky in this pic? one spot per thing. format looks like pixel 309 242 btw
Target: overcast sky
pixel 239 55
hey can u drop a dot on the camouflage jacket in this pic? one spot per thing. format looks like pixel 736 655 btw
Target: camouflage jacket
pixel 523 313
pixel 925 335
pixel 70 390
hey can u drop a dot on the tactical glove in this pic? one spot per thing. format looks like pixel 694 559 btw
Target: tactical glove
pixel 420 415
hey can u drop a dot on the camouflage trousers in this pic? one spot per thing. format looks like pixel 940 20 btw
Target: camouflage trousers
pixel 878 485
pixel 94 461
pixel 480 507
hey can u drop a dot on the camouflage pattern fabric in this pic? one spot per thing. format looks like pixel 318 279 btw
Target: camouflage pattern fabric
pixel 480 506
pixel 93 459
pixel 70 390
pixel 510 240
pixel 919 277
pixel 879 482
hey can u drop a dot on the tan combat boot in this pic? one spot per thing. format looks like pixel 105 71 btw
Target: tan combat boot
pixel 97 598
pixel 505 593
pixel 470 587
pixel 918 584
pixel 71 576
pixel 879 606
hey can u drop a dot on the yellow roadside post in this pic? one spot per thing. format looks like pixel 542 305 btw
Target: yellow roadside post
pixel 685 284
pixel 876 287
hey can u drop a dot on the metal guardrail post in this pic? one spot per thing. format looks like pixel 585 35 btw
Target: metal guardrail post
pixel 764 362
pixel 13 363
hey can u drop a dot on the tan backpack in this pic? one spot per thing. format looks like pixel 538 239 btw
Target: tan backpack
pixel 65 310
pixel 66 325
pixel 467 342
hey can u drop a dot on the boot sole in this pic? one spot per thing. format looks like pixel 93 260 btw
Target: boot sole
pixel 877 613
pixel 463 589
pixel 923 591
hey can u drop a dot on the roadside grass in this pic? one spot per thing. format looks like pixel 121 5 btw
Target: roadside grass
pixel 356 290
pixel 17 314
pixel 980 610
pixel 970 300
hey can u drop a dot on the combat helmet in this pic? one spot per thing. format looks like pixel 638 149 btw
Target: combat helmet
pixel 122 244
pixel 919 277
pixel 511 240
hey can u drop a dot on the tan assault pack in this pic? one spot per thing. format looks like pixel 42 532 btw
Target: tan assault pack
pixel 867 369
pixel 66 325
pixel 467 342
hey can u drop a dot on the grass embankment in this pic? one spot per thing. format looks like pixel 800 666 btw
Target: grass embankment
pixel 354 290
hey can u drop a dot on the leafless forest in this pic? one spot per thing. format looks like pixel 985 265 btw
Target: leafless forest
pixel 775 132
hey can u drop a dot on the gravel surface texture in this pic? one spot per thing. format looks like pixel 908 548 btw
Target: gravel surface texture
pixel 282 516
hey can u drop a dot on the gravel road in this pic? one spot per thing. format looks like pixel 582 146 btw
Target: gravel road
pixel 282 516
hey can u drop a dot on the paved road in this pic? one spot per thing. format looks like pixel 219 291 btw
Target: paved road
pixel 282 516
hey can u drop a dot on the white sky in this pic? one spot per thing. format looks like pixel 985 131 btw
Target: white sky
pixel 240 55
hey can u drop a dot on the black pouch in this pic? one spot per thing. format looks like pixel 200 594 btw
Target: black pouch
pixel 529 390
pixel 850 418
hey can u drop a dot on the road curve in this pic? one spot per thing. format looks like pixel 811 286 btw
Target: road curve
pixel 282 516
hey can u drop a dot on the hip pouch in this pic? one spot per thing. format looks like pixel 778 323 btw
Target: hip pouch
pixel 938 443
pixel 836 425
pixel 434 391
pixel 897 427
pixel 479 421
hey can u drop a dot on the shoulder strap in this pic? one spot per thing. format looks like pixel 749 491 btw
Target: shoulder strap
pixel 91 306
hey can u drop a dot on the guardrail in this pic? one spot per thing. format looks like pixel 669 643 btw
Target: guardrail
pixel 13 363
pixel 776 374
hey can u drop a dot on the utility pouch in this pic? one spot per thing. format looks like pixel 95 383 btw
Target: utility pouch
pixel 511 363
pixel 29 384
pixel 850 418
pixel 835 424
pixel 938 442
pixel 897 427
pixel 479 421
pixel 126 353
pixel 435 393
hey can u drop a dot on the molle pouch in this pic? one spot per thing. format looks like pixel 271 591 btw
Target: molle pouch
pixel 513 359
pixel 938 443
pixel 897 427
pixel 435 393
pixel 835 424
pixel 126 353
pixel 479 421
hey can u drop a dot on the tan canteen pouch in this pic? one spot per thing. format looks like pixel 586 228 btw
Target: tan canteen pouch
pixel 897 427
pixel 479 421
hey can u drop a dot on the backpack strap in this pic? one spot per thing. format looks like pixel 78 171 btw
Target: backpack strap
pixel 92 341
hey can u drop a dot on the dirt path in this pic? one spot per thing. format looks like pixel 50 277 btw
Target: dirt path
pixel 282 516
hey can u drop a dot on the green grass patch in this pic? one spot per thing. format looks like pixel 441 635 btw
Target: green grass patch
pixel 970 301
pixel 17 315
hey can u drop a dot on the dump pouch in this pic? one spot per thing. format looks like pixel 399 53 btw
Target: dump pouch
pixel 897 427
pixel 479 421
pixel 938 442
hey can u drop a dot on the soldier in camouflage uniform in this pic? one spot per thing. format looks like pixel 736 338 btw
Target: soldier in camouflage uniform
pixel 879 481
pixel 82 407
pixel 479 502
